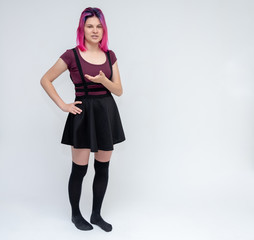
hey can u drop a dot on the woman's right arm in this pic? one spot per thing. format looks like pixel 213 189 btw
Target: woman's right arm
pixel 46 81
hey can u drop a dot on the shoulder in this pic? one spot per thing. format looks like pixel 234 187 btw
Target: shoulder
pixel 111 52
pixel 112 55
pixel 67 56
pixel 68 52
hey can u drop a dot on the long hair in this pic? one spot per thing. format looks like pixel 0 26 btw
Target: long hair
pixel 90 12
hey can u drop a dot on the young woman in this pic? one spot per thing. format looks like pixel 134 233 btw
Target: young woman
pixel 93 123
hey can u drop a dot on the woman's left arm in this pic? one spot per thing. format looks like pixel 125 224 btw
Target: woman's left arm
pixel 115 85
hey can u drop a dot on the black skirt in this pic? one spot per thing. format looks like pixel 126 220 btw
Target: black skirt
pixel 97 127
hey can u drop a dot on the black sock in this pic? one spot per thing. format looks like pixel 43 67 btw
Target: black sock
pixel 74 189
pixel 99 188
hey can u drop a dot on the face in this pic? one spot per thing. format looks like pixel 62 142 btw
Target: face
pixel 93 30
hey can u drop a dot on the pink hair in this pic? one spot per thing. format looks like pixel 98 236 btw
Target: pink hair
pixel 90 12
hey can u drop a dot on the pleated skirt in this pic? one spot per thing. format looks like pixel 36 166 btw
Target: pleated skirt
pixel 97 127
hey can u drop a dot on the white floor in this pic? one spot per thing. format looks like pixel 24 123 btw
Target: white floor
pixel 221 209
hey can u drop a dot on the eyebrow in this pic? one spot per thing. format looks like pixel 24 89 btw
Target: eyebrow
pixel 92 24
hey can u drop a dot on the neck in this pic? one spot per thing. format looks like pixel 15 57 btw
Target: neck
pixel 92 47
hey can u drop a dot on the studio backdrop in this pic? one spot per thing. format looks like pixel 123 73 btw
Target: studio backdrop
pixel 187 106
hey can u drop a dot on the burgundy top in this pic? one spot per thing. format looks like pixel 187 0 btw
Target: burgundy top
pixel 87 68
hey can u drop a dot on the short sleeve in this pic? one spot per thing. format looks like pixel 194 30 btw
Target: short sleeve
pixel 67 57
pixel 112 57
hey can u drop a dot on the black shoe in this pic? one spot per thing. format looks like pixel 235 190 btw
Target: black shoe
pixel 81 223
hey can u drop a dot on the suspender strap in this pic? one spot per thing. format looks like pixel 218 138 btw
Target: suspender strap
pixel 80 71
pixel 82 75
pixel 110 65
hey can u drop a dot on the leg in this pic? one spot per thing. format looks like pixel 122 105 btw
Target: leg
pixel 103 156
pixel 80 158
pixel 101 166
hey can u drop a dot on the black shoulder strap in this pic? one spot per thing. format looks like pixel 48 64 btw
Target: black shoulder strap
pixel 80 70
pixel 108 55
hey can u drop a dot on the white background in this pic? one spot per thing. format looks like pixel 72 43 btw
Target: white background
pixel 186 169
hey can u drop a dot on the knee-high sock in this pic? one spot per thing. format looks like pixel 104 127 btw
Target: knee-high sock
pixel 99 184
pixel 75 185
pixel 99 188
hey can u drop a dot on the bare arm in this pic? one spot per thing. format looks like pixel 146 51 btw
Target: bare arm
pixel 115 85
pixel 46 81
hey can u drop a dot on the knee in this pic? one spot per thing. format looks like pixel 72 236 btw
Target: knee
pixel 78 171
pixel 101 167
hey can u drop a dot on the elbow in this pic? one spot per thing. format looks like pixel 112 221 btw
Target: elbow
pixel 119 93
pixel 43 81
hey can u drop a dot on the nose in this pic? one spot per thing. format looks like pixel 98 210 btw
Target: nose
pixel 95 30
